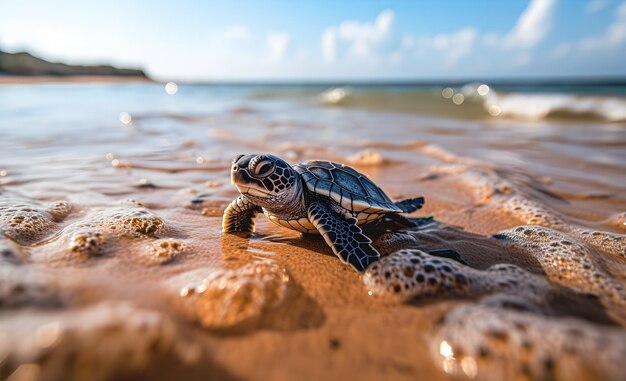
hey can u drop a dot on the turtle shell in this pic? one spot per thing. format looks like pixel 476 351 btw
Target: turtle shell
pixel 349 188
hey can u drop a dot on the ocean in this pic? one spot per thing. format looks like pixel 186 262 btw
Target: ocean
pixel 571 133
pixel 111 242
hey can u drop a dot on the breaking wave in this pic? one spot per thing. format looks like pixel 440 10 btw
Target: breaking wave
pixel 479 101
pixel 542 106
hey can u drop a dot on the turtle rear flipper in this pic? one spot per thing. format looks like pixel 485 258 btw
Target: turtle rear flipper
pixel 344 236
pixel 410 205
pixel 448 253
pixel 397 219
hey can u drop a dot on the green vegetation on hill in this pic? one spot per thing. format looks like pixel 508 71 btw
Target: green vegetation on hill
pixel 23 63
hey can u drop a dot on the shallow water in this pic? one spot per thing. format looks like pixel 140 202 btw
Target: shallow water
pixel 111 198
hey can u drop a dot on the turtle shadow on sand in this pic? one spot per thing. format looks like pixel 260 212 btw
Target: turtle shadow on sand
pixel 428 235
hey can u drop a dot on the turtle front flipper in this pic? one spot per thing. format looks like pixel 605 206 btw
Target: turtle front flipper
pixel 238 216
pixel 343 235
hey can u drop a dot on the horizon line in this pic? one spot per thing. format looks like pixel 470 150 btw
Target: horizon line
pixel 592 80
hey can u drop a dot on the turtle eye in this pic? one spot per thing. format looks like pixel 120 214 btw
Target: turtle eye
pixel 263 168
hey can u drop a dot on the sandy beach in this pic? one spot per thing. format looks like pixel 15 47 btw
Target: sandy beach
pixel 114 265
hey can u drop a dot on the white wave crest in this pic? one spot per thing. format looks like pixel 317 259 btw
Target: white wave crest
pixel 529 106
pixel 335 96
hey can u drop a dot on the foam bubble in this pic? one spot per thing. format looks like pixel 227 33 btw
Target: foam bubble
pixel 20 287
pixel 531 212
pixel 131 202
pixel 163 251
pixel 504 332
pixel 367 157
pixel 60 210
pixel 222 299
pixel 25 221
pixel 486 185
pixel 131 221
pixel 10 252
pixel 439 153
pixel 407 274
pixel 618 221
pixel 96 343
pixel 609 243
pixel 410 273
pixel 87 242
pixel 99 230
pixel 499 344
pixel 565 261
pixel 489 188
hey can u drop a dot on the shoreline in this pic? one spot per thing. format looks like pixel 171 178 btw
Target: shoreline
pixel 26 80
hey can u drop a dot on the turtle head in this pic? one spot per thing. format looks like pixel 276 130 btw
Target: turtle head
pixel 264 179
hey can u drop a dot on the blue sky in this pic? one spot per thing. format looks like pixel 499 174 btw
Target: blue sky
pixel 240 40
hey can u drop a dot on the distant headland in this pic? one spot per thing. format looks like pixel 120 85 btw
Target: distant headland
pixel 25 65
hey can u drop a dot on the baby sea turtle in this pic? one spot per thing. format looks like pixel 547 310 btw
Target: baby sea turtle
pixel 318 197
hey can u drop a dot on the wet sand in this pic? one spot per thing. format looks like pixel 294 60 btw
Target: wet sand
pixel 114 265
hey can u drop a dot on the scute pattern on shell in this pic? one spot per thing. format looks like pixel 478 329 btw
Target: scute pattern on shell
pixel 349 188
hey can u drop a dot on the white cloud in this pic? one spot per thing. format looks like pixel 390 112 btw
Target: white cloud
pixel 452 45
pixel 395 57
pixel 455 45
pixel 228 43
pixel 277 45
pixel 594 6
pixel 532 26
pixel 562 50
pixel 329 44
pixel 361 38
pixel 523 59
pixel 614 36
pixel 235 32
pixel 531 29
pixel 227 40
pixel 490 39
pixel 407 42
pixel 302 55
